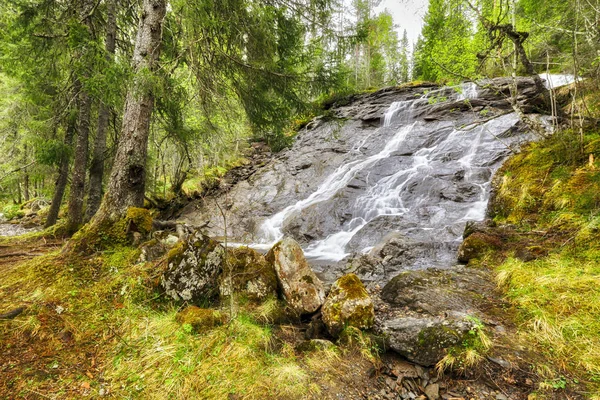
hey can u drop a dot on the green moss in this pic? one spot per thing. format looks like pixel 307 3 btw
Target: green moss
pixel 476 246
pixel 141 219
pixel 352 286
pixel 248 274
pixel 200 319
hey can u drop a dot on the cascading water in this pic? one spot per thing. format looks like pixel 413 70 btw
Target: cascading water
pixel 410 190
pixel 421 174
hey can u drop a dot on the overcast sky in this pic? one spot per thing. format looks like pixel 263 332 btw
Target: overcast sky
pixel 407 14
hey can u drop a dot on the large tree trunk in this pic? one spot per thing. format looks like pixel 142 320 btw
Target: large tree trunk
pixel 127 180
pixel 63 177
pixel 97 165
pixel 80 164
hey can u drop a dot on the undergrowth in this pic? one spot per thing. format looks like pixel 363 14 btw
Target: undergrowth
pixel 551 191
pixel 97 325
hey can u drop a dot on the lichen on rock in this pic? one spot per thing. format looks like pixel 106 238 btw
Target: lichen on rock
pixel 193 268
pixel 301 288
pixel 247 273
pixel 348 304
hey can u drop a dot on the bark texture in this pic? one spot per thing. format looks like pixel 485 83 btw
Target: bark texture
pixel 75 206
pixel 63 176
pixel 97 165
pixel 127 180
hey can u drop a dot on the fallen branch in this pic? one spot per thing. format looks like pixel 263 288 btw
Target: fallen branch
pixel 13 313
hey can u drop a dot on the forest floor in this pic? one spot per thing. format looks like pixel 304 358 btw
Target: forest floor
pixel 72 342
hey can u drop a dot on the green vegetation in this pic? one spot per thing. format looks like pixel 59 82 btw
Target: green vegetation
pixel 140 345
pixel 550 193
pixel 470 352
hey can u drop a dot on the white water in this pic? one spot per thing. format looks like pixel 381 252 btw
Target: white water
pixel 409 190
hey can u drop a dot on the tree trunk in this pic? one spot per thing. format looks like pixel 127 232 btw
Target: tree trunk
pixel 61 181
pixel 80 163
pixel 25 175
pixel 127 180
pixel 97 165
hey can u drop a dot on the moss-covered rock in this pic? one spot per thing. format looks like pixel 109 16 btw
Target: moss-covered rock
pixel 301 288
pixel 476 245
pixel 348 304
pixel 193 268
pixel 425 340
pixel 200 319
pixel 247 273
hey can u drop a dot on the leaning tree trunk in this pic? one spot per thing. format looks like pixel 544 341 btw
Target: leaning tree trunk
pixel 97 164
pixel 75 205
pixel 127 179
pixel 63 177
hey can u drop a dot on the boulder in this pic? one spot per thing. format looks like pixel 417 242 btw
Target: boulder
pixel 425 339
pixel 193 269
pixel 201 319
pixel 247 273
pixel 435 291
pixel 301 288
pixel 348 304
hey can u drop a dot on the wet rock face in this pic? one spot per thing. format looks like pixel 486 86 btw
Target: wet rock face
pixel 247 273
pixel 349 179
pixel 299 285
pixel 348 304
pixel 193 269
pixel 425 340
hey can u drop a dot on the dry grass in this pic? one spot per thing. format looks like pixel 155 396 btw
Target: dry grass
pixel 96 325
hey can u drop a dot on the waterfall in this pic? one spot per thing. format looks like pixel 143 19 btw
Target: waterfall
pixel 422 178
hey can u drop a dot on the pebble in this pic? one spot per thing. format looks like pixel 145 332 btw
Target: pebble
pixel 432 391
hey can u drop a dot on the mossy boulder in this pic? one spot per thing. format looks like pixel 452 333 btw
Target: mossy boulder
pixel 348 304
pixel 477 245
pixel 193 268
pixel 424 339
pixel 301 288
pixel 247 273
pixel 200 319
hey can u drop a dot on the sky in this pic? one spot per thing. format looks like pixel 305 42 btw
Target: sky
pixel 407 14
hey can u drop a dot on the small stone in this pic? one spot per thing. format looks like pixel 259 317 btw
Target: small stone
pixel 432 391
pixel 500 396
pixel 59 309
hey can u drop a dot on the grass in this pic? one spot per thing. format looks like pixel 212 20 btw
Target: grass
pixel 97 325
pixel 551 191
pixel 559 302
